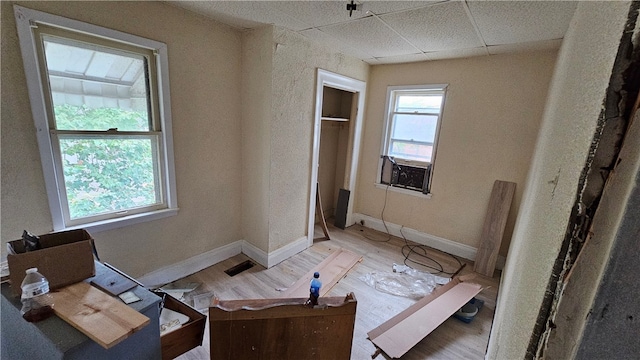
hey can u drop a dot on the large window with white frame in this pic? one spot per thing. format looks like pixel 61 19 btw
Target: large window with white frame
pixel 412 123
pixel 100 103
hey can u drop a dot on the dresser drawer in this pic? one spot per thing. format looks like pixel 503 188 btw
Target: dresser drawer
pixel 188 336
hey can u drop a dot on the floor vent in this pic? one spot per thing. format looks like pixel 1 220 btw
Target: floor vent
pixel 233 271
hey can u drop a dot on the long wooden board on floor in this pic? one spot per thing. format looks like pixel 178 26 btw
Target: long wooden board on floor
pixel 399 334
pixel 493 229
pixel 101 317
pixel 332 269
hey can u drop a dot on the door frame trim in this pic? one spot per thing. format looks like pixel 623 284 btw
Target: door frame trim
pixel 358 87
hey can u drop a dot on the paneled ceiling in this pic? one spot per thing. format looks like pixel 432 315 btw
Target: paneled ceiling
pixel 383 32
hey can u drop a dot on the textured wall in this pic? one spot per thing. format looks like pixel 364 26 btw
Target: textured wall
pixel 571 114
pixel 257 61
pixel 295 64
pixel 490 122
pixel 204 66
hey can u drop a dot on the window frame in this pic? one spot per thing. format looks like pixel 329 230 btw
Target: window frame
pixel 27 22
pixel 390 105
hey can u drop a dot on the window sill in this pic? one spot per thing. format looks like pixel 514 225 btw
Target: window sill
pixel 111 224
pixel 402 191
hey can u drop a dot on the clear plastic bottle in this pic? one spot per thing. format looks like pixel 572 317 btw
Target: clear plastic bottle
pixel 315 288
pixel 36 301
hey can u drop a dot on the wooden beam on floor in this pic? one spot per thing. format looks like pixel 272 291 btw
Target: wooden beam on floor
pixel 493 229
pixel 399 334
pixel 319 210
pixel 332 269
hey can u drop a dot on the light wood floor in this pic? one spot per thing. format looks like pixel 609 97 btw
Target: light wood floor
pixel 453 339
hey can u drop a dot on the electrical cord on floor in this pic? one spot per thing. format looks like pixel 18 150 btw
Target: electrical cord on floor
pixel 384 206
pixel 417 250
pixel 421 252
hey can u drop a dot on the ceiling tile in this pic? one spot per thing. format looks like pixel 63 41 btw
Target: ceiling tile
pixel 384 7
pixel 508 22
pixel 317 13
pixel 457 53
pixel 371 36
pixel 242 14
pixel 522 47
pixel 402 59
pixel 438 27
pixel 322 13
pixel 334 43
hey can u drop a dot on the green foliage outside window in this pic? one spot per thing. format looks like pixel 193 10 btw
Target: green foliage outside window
pixel 106 174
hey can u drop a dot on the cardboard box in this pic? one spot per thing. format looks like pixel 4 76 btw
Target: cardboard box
pixel 65 258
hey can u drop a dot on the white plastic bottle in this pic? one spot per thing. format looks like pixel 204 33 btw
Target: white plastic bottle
pixel 36 301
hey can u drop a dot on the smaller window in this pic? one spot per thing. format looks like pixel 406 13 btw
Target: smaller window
pixel 412 122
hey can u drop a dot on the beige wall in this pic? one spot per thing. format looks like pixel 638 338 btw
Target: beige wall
pixel 489 125
pixel 257 61
pixel 578 88
pixel 295 64
pixel 204 65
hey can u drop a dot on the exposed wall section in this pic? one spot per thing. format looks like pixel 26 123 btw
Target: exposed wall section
pixel 490 123
pixel 571 117
pixel 613 325
pixel 611 313
pixel 204 72
pixel 587 244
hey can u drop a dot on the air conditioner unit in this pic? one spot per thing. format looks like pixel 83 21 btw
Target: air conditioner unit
pixel 405 176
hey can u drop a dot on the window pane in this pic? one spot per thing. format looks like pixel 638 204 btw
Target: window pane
pixel 105 175
pixel 419 103
pixel 420 128
pixel 96 88
pixel 410 151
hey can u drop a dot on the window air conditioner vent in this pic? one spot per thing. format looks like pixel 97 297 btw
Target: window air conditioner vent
pixel 405 176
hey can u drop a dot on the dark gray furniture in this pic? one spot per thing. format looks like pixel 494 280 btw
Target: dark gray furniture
pixel 53 338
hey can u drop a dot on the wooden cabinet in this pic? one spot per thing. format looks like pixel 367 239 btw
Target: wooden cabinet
pixel 282 328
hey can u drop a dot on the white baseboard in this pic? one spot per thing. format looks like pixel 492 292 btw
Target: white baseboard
pixel 442 244
pixel 255 253
pixel 287 251
pixel 196 263
pixel 275 257
pixel 190 266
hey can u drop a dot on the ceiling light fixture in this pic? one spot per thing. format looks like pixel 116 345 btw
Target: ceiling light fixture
pixel 352 7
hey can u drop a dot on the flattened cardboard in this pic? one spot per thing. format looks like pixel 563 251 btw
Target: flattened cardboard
pixel 65 258
pixel 402 332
